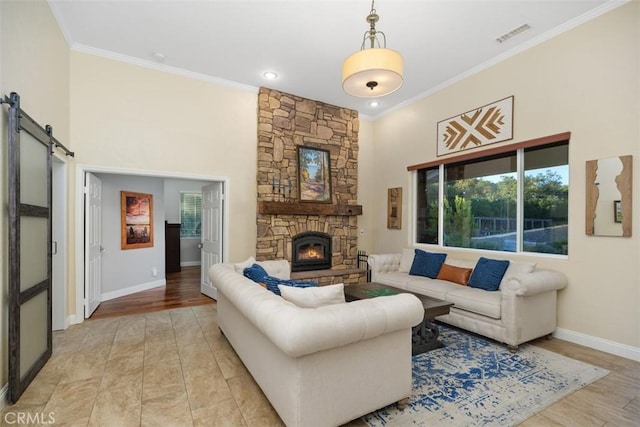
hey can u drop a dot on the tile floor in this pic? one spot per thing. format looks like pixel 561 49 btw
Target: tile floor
pixel 174 368
pixel 168 368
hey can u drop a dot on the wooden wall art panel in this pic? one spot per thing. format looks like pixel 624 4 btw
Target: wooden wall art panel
pixel 394 208
pixel 479 127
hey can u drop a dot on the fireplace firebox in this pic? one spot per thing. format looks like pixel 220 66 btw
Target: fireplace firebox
pixel 310 251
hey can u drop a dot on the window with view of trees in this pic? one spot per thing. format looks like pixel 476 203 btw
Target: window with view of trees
pixel 491 204
pixel 428 202
pixel 190 215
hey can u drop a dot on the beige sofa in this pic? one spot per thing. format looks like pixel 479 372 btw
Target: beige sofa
pixel 522 309
pixel 318 366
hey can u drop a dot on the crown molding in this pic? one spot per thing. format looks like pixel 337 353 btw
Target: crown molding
pixel 81 48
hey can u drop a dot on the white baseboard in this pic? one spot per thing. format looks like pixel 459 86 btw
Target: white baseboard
pixel 596 343
pixel 189 263
pixel 4 395
pixel 132 290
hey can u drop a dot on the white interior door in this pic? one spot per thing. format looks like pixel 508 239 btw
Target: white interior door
pixel 93 244
pixel 211 250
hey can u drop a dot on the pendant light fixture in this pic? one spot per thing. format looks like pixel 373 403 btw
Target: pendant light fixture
pixel 375 70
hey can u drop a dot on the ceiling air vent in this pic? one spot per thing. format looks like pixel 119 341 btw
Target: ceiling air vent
pixel 506 36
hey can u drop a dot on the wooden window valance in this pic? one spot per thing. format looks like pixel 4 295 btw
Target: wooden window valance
pixel 545 140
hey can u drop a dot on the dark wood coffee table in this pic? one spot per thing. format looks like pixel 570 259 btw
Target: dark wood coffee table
pixel 424 336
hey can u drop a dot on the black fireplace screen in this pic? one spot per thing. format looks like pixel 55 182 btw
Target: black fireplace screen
pixel 311 251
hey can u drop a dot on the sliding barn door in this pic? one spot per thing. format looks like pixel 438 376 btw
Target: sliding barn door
pixel 30 337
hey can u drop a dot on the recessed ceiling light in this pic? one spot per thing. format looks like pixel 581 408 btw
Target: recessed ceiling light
pixel 270 75
pixel 374 104
pixel 158 56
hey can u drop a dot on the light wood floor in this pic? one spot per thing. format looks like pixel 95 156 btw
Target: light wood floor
pixel 611 401
pixel 173 367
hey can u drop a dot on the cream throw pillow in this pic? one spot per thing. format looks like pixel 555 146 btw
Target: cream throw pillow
pixel 313 296
pixel 240 266
pixel 407 260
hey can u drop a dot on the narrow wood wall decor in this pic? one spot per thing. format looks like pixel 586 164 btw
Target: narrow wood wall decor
pixel 394 208
pixel 599 192
pixel 478 127
pixel 591 198
pixel 624 182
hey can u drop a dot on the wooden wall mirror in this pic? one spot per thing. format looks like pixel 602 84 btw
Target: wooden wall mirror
pixel 608 210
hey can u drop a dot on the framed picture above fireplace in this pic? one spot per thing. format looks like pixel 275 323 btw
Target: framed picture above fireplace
pixel 314 175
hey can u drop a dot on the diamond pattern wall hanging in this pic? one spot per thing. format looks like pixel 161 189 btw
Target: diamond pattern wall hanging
pixel 481 126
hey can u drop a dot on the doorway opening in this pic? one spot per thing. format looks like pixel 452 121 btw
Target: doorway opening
pixel 142 267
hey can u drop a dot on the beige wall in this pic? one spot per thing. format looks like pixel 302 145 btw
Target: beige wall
pixel 129 117
pixel 35 64
pixel 585 81
pixel 366 191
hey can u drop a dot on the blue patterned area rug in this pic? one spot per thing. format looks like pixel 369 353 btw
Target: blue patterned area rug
pixel 473 381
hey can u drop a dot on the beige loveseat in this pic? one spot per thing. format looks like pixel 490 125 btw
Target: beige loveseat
pixel 318 366
pixel 522 309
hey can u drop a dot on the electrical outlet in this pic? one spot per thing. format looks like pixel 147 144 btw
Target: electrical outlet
pixel 154 272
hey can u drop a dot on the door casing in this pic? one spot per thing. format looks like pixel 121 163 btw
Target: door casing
pixel 60 272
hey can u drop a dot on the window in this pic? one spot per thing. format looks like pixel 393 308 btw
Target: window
pixel 428 202
pixel 490 203
pixel 190 215
pixel 546 199
pixel 480 203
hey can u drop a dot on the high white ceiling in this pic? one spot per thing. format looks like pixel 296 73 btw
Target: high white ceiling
pixel 306 41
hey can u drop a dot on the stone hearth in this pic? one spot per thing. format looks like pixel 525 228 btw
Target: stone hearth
pixel 285 122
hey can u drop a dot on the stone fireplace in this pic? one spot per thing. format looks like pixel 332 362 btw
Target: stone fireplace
pixel 310 251
pixel 286 122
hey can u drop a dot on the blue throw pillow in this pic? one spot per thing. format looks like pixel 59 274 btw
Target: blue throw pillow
pixel 255 273
pixel 273 282
pixel 258 274
pixel 488 274
pixel 427 264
